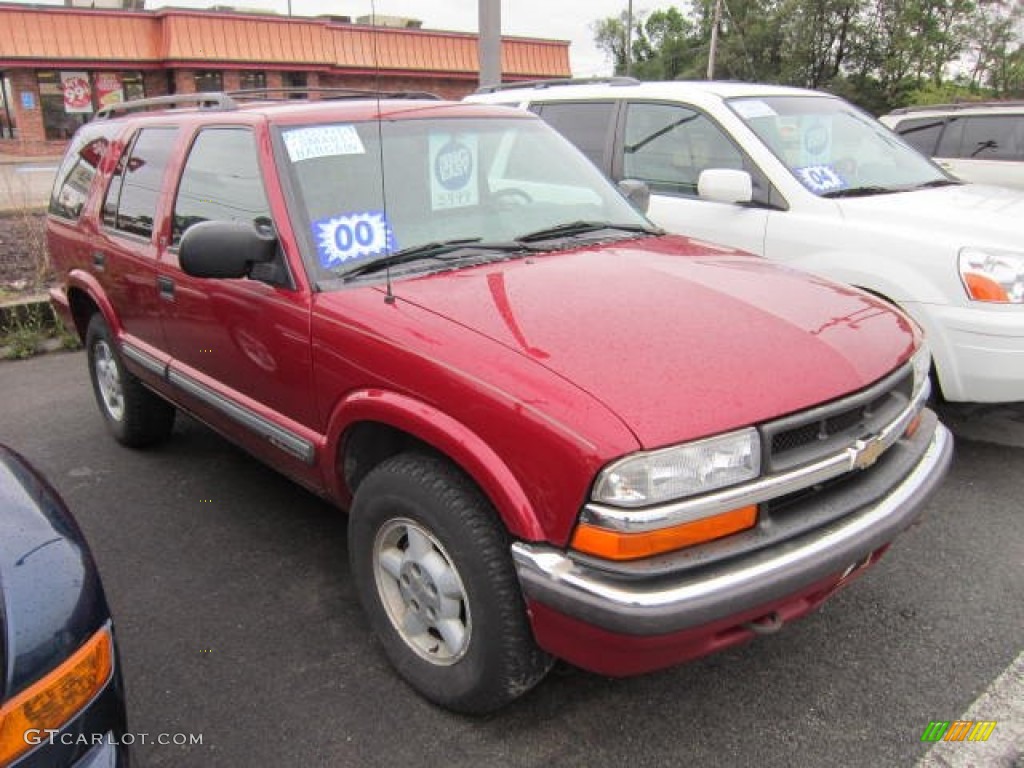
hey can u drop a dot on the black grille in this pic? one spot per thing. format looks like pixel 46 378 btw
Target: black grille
pixel 811 435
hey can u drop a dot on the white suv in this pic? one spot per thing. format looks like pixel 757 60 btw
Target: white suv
pixel 806 178
pixel 980 142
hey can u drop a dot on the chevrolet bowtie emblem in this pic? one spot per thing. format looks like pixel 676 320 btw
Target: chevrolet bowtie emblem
pixel 866 452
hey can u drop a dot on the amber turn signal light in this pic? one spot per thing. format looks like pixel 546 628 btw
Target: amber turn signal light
pixel 983 288
pixel 52 701
pixel 614 545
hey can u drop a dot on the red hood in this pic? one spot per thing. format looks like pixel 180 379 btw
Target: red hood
pixel 680 340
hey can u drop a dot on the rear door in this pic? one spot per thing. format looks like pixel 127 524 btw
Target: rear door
pixel 124 256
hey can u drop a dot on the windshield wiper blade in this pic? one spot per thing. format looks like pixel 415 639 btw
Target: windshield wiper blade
pixel 571 228
pixel 938 183
pixel 861 191
pixel 432 250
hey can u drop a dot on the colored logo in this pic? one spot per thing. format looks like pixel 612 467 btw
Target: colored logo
pixel 351 237
pixel 959 730
pixel 453 165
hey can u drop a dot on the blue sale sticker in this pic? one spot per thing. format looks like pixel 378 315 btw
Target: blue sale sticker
pixel 820 178
pixel 352 237
pixel 453 171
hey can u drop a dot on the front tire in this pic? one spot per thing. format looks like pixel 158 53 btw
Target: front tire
pixel 135 416
pixel 432 567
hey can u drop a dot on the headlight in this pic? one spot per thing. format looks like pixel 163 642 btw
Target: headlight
pixel 922 364
pixel 684 470
pixel 993 275
pixel 54 700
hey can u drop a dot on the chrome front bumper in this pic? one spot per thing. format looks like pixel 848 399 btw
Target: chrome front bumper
pixel 660 606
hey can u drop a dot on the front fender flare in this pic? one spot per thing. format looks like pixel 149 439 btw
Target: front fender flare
pixel 450 437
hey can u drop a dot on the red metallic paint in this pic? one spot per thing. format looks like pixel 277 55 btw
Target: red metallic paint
pixel 697 341
pixel 609 653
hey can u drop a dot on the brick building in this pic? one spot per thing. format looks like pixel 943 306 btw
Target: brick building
pixel 58 65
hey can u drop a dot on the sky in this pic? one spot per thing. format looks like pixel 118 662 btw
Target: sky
pixel 554 19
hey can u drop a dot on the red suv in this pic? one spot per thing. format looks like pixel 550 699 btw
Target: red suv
pixel 557 431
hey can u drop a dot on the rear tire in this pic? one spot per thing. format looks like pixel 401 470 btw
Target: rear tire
pixel 432 567
pixel 135 416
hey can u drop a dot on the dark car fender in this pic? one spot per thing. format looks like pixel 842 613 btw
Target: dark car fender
pixel 51 598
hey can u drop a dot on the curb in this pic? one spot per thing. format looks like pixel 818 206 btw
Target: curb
pixel 35 313
pixel 34 306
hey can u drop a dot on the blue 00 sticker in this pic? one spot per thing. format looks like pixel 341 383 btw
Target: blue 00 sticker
pixel 352 237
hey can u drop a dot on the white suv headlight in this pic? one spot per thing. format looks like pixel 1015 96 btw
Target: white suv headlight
pixel 993 275
pixel 684 470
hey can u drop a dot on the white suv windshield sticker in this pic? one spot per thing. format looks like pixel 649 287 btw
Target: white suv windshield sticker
pixel 322 141
pixel 454 161
pixel 820 178
pixel 351 237
pixel 751 108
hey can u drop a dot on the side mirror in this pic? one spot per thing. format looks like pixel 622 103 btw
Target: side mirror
pixel 637 193
pixel 724 185
pixel 224 249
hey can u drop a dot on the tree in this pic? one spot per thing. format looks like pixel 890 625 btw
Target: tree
pixel 818 36
pixel 667 46
pixel 610 37
pixel 995 46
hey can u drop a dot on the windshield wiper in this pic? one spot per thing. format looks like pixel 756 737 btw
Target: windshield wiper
pixel 938 183
pixel 582 227
pixel 861 191
pixel 433 250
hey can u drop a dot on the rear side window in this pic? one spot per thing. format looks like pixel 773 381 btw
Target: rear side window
pixel 76 172
pixel 221 182
pixel 133 194
pixel 922 133
pixel 994 137
pixel 588 125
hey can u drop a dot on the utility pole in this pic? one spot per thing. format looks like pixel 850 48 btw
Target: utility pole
pixel 713 51
pixel 489 46
pixel 629 37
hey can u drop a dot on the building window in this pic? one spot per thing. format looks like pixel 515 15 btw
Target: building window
pixel 295 80
pixel 115 87
pixel 66 102
pixel 68 98
pixel 209 81
pixel 7 125
pixel 251 80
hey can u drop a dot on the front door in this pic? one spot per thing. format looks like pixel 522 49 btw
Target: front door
pixel 240 347
pixel 667 146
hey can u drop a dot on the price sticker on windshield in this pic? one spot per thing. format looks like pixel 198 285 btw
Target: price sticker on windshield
pixel 454 161
pixel 351 237
pixel 322 141
pixel 820 178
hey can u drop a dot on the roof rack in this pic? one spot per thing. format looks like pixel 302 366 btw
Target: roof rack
pixel 285 94
pixel 229 100
pixel 957 106
pixel 538 84
pixel 215 101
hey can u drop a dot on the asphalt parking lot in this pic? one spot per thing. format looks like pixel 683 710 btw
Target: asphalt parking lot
pixel 238 621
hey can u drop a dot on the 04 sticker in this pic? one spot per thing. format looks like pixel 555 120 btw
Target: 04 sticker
pixel 820 178
pixel 352 237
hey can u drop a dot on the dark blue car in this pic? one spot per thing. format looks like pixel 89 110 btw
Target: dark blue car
pixel 61 696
